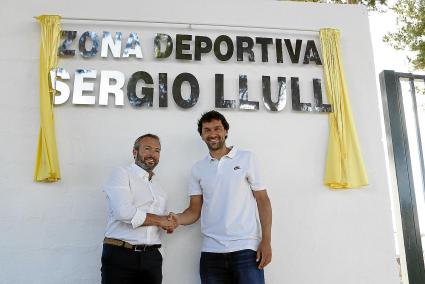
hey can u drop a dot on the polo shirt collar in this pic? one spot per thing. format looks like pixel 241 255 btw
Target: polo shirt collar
pixel 230 155
pixel 140 172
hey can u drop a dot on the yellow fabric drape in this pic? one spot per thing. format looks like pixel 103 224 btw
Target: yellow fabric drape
pixel 344 165
pixel 47 164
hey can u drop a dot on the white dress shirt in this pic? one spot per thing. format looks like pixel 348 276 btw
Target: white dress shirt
pixel 229 216
pixel 131 195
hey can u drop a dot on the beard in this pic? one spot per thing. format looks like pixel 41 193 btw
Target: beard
pixel 141 162
pixel 214 146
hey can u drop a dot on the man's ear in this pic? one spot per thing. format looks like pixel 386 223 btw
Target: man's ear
pixel 134 154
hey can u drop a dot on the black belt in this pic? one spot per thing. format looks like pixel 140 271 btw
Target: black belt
pixel 123 244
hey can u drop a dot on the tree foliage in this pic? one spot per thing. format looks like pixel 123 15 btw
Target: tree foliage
pixel 411 30
pixel 410 33
pixel 371 4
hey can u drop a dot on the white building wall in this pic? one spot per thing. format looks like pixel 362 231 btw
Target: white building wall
pixel 52 233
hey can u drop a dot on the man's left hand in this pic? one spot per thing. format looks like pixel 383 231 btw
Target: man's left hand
pixel 264 254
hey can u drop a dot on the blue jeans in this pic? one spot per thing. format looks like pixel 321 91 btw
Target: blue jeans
pixel 238 267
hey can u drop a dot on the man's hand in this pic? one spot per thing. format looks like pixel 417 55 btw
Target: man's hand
pixel 168 224
pixel 172 217
pixel 264 254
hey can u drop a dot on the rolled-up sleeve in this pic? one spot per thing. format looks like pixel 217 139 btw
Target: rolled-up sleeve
pixel 138 218
pixel 117 190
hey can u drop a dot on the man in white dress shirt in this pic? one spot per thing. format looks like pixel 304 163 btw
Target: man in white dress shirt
pixel 226 191
pixel 137 209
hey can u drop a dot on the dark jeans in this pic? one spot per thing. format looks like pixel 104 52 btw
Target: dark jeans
pixel 125 266
pixel 239 267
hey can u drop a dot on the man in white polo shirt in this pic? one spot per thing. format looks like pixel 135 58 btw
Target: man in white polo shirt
pixel 226 191
pixel 137 209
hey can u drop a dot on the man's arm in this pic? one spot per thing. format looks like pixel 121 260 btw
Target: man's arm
pixel 191 214
pixel 160 221
pixel 122 206
pixel 264 251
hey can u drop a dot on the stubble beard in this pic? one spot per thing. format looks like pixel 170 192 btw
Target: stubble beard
pixel 143 165
pixel 216 146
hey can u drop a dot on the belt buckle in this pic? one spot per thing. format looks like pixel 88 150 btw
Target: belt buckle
pixel 138 250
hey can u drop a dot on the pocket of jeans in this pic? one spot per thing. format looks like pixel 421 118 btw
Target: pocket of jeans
pixel 247 253
pixel 246 259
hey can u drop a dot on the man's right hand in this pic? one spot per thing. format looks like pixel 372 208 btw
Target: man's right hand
pixel 168 224
pixel 172 217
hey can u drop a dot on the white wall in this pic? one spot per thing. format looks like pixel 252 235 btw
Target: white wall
pixel 52 233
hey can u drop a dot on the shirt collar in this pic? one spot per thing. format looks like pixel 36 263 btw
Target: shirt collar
pixel 141 172
pixel 230 155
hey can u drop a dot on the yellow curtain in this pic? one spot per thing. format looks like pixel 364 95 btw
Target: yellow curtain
pixel 47 164
pixel 344 165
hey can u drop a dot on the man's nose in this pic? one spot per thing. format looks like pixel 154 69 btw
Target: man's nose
pixel 153 153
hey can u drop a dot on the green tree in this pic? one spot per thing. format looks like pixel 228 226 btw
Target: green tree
pixel 379 5
pixel 411 30
pixel 372 4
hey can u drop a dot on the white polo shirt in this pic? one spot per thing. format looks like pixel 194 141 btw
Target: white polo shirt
pixel 229 216
pixel 131 195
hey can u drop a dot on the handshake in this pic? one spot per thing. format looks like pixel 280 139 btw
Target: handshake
pixel 169 222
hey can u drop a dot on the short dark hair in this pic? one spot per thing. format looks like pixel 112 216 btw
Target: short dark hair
pixel 210 116
pixel 137 142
